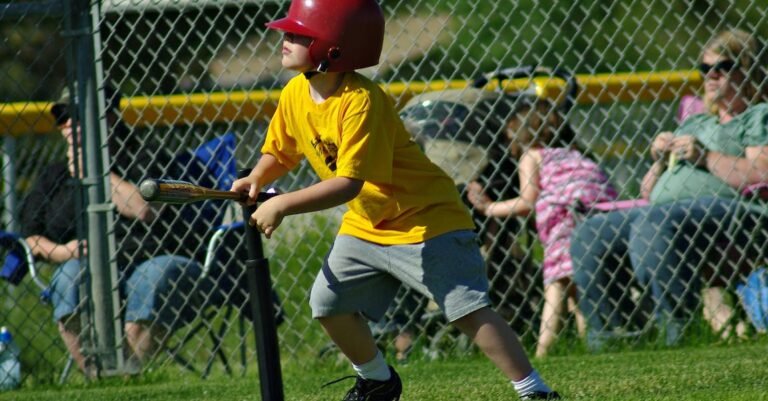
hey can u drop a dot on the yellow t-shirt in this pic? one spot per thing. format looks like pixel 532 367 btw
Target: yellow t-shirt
pixel 357 133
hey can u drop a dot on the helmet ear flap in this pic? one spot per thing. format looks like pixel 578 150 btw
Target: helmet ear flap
pixel 333 54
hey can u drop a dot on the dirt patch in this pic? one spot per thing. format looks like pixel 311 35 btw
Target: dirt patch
pixel 257 59
pixel 410 37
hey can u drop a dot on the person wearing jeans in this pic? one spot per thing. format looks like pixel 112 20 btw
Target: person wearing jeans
pixel 665 244
pixel 694 191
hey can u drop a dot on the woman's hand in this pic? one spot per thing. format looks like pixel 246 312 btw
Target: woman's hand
pixel 662 145
pixel 477 197
pixel 687 147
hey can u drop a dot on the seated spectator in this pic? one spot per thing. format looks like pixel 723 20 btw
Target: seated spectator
pixel 694 189
pixel 553 175
pixel 157 289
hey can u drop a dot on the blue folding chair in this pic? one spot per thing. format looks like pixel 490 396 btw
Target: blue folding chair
pixel 212 165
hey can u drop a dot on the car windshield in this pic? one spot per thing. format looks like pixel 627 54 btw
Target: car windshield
pixel 435 120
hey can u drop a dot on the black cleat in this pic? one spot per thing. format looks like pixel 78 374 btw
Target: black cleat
pixel 540 395
pixel 374 390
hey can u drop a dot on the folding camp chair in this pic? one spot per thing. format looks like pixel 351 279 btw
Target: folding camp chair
pixel 224 264
pixel 212 165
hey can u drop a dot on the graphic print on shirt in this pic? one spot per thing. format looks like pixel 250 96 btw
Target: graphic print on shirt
pixel 327 150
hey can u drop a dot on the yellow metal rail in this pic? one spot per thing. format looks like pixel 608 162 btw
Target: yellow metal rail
pixel 199 108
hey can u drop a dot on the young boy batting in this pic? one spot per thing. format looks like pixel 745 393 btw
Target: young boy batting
pixel 405 221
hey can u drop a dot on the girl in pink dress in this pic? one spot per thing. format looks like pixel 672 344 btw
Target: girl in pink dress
pixel 554 178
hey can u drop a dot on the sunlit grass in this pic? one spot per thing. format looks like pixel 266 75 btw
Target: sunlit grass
pixel 735 372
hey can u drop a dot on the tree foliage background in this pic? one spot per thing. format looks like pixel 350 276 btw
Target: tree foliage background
pixel 156 52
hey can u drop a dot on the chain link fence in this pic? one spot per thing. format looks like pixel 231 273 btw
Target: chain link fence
pixel 199 81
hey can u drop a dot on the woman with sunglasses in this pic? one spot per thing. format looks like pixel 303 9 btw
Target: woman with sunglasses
pixel 693 188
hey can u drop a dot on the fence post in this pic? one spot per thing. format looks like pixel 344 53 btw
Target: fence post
pixel 10 220
pixel 103 272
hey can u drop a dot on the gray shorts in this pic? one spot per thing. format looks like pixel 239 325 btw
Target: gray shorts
pixel 362 277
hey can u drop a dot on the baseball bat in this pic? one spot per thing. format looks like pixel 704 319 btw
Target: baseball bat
pixel 179 192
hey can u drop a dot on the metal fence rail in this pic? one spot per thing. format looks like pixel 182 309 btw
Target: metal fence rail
pixel 193 72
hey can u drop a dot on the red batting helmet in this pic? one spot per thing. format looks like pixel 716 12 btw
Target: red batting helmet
pixel 348 34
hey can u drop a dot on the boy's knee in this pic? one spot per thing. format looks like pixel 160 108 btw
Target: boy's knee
pixel 473 320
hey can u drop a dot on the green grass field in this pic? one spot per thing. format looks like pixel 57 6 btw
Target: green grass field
pixel 734 372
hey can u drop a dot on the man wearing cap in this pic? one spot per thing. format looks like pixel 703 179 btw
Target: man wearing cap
pixel 155 252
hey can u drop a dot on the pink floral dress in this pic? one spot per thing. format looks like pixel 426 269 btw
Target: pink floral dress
pixel 565 178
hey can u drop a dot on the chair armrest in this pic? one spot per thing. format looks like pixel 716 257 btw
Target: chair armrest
pixel 759 190
pixel 214 242
pixel 32 266
pixel 218 234
pixel 618 205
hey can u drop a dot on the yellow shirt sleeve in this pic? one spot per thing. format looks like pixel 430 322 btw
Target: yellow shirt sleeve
pixel 278 142
pixel 366 146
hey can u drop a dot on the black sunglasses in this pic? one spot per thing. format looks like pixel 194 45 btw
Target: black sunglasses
pixel 721 67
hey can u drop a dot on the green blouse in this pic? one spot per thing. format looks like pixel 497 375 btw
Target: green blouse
pixel 684 180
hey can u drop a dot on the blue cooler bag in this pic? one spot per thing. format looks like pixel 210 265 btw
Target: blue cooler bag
pixel 14 267
pixel 754 298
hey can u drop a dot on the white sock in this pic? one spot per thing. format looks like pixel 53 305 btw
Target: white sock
pixel 375 369
pixel 530 384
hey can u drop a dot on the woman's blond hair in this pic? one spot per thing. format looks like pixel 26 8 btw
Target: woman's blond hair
pixel 750 58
